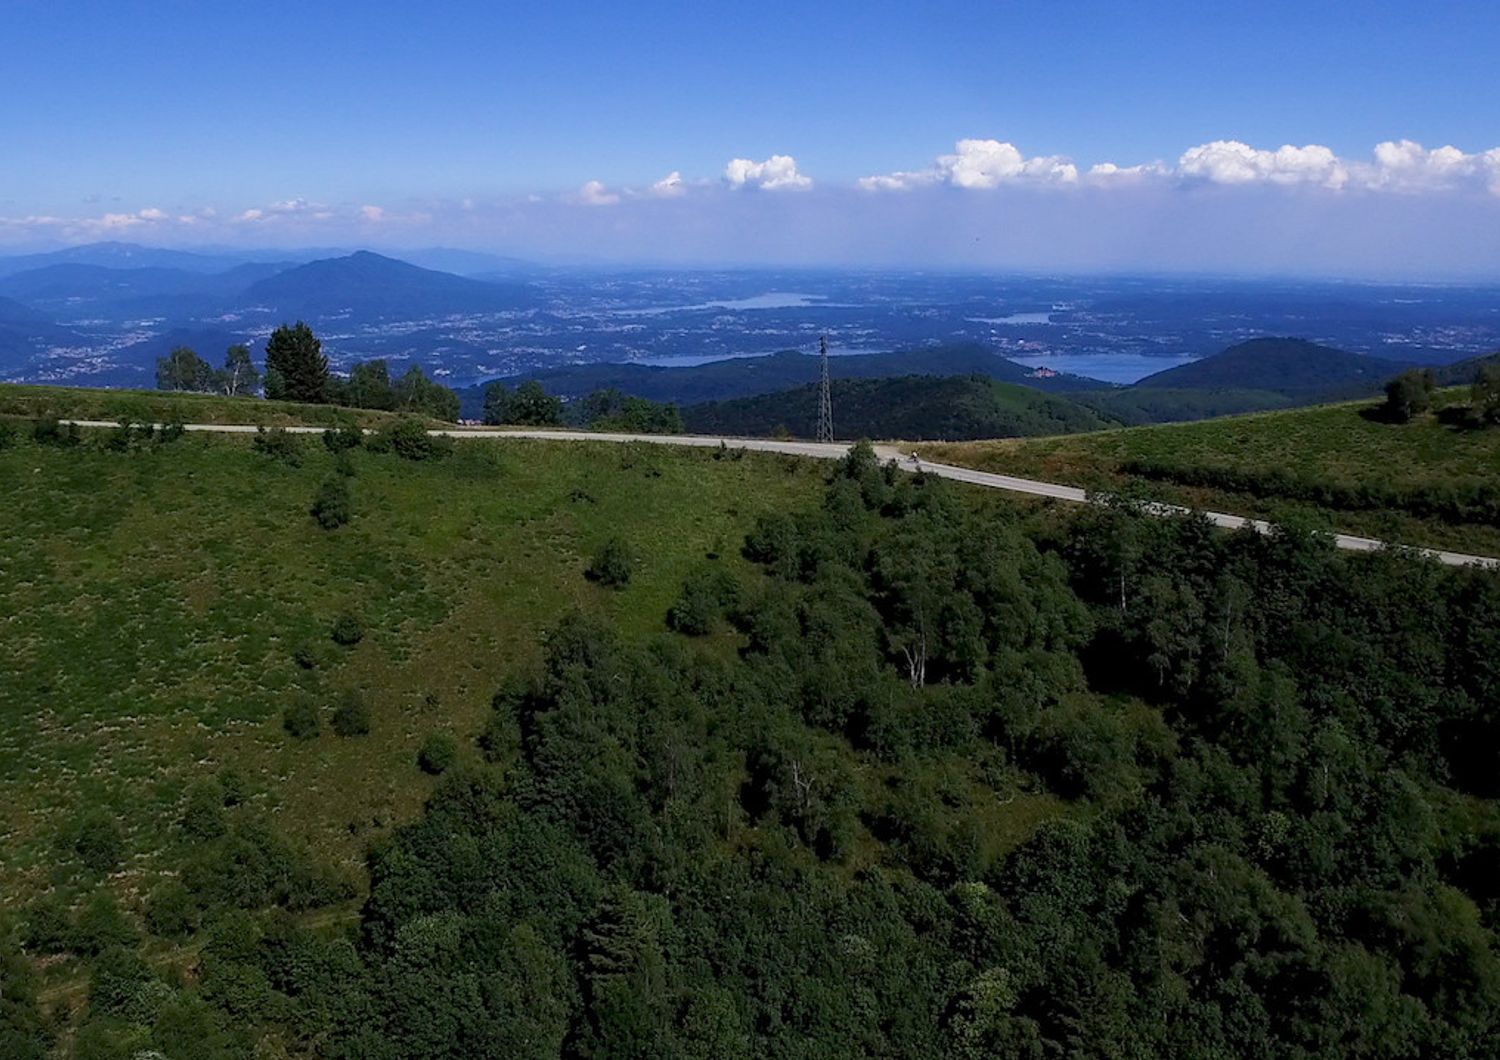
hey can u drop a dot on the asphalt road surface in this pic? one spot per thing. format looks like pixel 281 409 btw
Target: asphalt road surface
pixel 836 450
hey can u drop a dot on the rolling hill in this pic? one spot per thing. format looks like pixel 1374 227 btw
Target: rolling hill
pixel 1294 368
pixel 1432 481
pixel 916 406
pixel 739 377
pixel 373 286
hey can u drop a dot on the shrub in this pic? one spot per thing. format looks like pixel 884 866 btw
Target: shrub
pixel 300 720
pixel 708 592
pixel 171 431
pixel 171 912
pixel 203 816
pixel 7 435
pixel 408 439
pixel 47 926
pixel 611 564
pixel 48 431
pixel 347 630
pixel 334 504
pixel 342 438
pixel 437 754
pixel 278 444
pixel 97 841
pixel 100 925
pixel 1408 395
pixel 352 718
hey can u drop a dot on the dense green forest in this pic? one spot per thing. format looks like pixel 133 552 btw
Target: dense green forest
pixel 913 406
pixel 933 776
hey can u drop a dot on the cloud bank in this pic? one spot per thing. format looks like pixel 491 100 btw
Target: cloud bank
pixel 1402 210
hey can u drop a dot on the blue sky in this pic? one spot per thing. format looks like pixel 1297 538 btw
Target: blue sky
pixel 549 129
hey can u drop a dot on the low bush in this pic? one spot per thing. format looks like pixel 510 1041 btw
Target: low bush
pixel 347 630
pixel 333 506
pixel 408 439
pixel 343 438
pixel 300 720
pixel 611 565
pixel 438 753
pixel 278 444
pixel 352 717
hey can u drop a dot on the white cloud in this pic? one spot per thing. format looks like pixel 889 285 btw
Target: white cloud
pixel 1233 162
pixel 670 186
pixel 1404 165
pixel 593 193
pixel 1108 172
pixel 979 164
pixel 251 215
pixel 776 172
pixel 151 213
pixel 372 213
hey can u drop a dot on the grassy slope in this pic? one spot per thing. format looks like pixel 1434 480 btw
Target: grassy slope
pixel 151 603
pixel 159 406
pixel 1332 441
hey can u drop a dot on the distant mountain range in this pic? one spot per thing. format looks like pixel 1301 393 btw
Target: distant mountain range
pixel 375 286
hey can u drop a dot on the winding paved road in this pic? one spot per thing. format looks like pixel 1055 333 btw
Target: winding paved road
pixel 836 450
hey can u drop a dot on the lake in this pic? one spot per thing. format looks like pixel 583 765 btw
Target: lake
pixel 1108 367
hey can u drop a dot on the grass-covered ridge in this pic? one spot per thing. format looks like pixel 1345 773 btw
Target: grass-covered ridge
pixel 1340 464
pixel 164 406
pixel 165 604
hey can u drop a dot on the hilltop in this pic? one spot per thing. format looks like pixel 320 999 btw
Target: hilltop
pixel 372 285
pixel 1294 368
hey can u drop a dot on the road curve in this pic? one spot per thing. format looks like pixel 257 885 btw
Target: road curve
pixel 836 450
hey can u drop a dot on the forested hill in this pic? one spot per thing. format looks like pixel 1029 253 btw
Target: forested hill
pixel 1292 367
pixel 747 376
pixel 951 408
pixel 522 749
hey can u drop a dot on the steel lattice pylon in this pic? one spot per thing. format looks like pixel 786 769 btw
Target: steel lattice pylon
pixel 825 396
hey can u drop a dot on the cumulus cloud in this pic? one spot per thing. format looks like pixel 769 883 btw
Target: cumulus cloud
pixel 669 186
pixel 776 172
pixel 372 213
pixel 1404 165
pixel 593 193
pixel 981 164
pixel 1233 162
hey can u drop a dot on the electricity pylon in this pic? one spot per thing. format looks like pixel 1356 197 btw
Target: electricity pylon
pixel 825 396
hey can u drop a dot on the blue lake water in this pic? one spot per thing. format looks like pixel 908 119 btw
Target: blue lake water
pixel 1108 367
pixel 770 300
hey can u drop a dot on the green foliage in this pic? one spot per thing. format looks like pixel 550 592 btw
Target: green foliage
pixel 916 406
pixel 296 369
pixel 203 814
pixel 8 434
pixel 611 564
pixel 414 393
pixel 707 595
pixel 347 630
pixel 96 839
pixel 170 911
pixel 611 410
pixel 408 438
pixel 437 754
pixel 300 720
pixel 528 405
pixel 25 1033
pixel 182 369
pixel 48 431
pixel 1484 396
pixel 351 717
pixel 239 376
pixel 101 925
pixel 1408 395
pixel 333 505
pixel 343 438
pixel 369 386
pixel 47 926
pixel 279 444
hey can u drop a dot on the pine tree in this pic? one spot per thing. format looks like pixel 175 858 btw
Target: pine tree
pixel 296 369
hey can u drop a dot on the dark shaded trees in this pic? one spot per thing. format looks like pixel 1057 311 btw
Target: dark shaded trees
pixel 296 369
pixel 182 369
